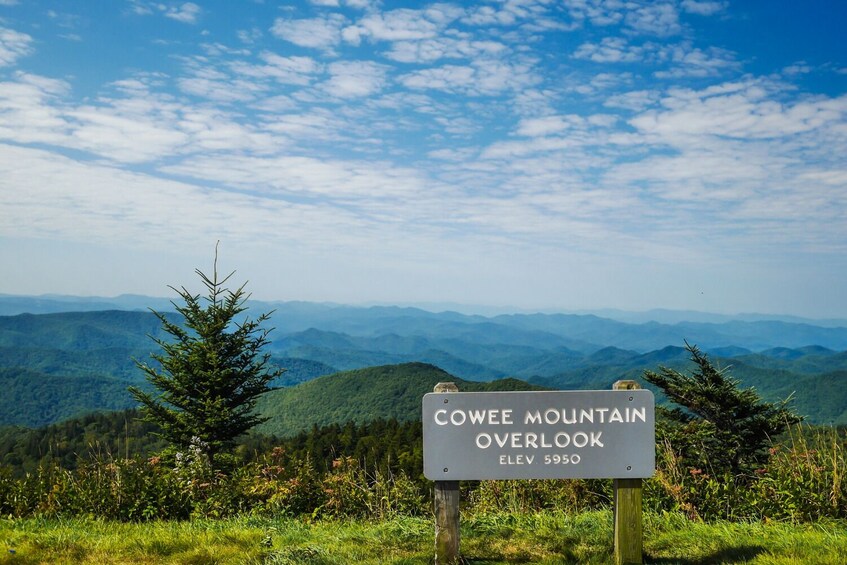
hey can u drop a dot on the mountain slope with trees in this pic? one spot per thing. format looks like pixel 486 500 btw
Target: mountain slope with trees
pixel 362 395
pixel 312 340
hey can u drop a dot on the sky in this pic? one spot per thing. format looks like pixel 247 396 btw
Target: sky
pixel 529 154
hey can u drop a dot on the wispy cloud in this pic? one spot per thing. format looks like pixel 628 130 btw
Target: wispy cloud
pixel 400 25
pixel 703 8
pixel 318 33
pixel 678 60
pixel 655 18
pixel 482 77
pixel 13 46
pixel 186 12
pixel 610 50
pixel 350 79
pixel 562 134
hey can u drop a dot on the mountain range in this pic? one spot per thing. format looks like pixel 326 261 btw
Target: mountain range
pixel 56 364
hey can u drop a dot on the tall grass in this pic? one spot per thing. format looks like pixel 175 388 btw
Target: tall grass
pixel 546 537
pixel 803 480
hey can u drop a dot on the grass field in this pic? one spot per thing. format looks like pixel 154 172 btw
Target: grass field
pixel 486 539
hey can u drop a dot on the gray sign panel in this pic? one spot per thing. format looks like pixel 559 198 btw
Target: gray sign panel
pixel 589 434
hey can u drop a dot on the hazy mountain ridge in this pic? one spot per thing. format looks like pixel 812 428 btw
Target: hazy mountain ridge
pixel 554 350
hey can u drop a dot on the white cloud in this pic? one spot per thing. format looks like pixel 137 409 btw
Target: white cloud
pixel 447 77
pixel 122 136
pixel 187 12
pixel 689 61
pixel 317 124
pixel 684 59
pixel 598 12
pixel 359 4
pixel 30 109
pixel 249 36
pixel 212 130
pixel 547 125
pixel 610 50
pixel 275 104
pixel 318 33
pixel 833 177
pixel 220 89
pixel 738 110
pixel 285 70
pixel 703 8
pixel 13 46
pixel 294 175
pixel 660 19
pixel 430 50
pixel 349 79
pixel 137 126
pixel 798 68
pixel 396 25
pixel 636 100
pixel 487 15
pixel 477 126
pixel 483 77
pixel 117 207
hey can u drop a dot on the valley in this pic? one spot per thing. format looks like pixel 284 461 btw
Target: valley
pixel 381 360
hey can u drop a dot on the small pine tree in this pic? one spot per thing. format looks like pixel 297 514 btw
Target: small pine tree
pixel 718 426
pixel 212 371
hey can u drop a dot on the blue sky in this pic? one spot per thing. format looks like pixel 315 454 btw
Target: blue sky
pixel 570 154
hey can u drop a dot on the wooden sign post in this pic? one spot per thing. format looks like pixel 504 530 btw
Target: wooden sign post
pixel 446 510
pixel 627 505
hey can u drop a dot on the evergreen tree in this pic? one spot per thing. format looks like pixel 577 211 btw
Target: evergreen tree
pixel 719 427
pixel 212 370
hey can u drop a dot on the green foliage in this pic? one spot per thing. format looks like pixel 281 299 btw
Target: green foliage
pixel 802 479
pixel 522 497
pixel 727 428
pixel 31 398
pixel 79 331
pixel 212 371
pixel 353 471
pixel 102 433
pixel 362 395
pixel 138 490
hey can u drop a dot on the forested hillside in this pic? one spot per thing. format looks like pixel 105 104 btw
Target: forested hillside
pixel 352 413
pixel 65 364
pixel 362 395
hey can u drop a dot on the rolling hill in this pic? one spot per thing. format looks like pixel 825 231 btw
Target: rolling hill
pixel 361 396
pixel 91 354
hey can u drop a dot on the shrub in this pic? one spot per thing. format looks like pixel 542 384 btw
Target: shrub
pixel 520 496
pixel 802 480
pixel 719 427
pixel 804 477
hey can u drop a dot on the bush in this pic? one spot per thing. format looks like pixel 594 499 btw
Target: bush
pixel 520 496
pixel 189 487
pixel 801 480
pixel 717 427
pixel 804 477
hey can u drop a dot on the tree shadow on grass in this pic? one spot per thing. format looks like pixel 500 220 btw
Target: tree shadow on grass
pixel 741 554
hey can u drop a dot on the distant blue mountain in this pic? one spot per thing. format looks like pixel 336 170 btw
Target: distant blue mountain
pixel 556 350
